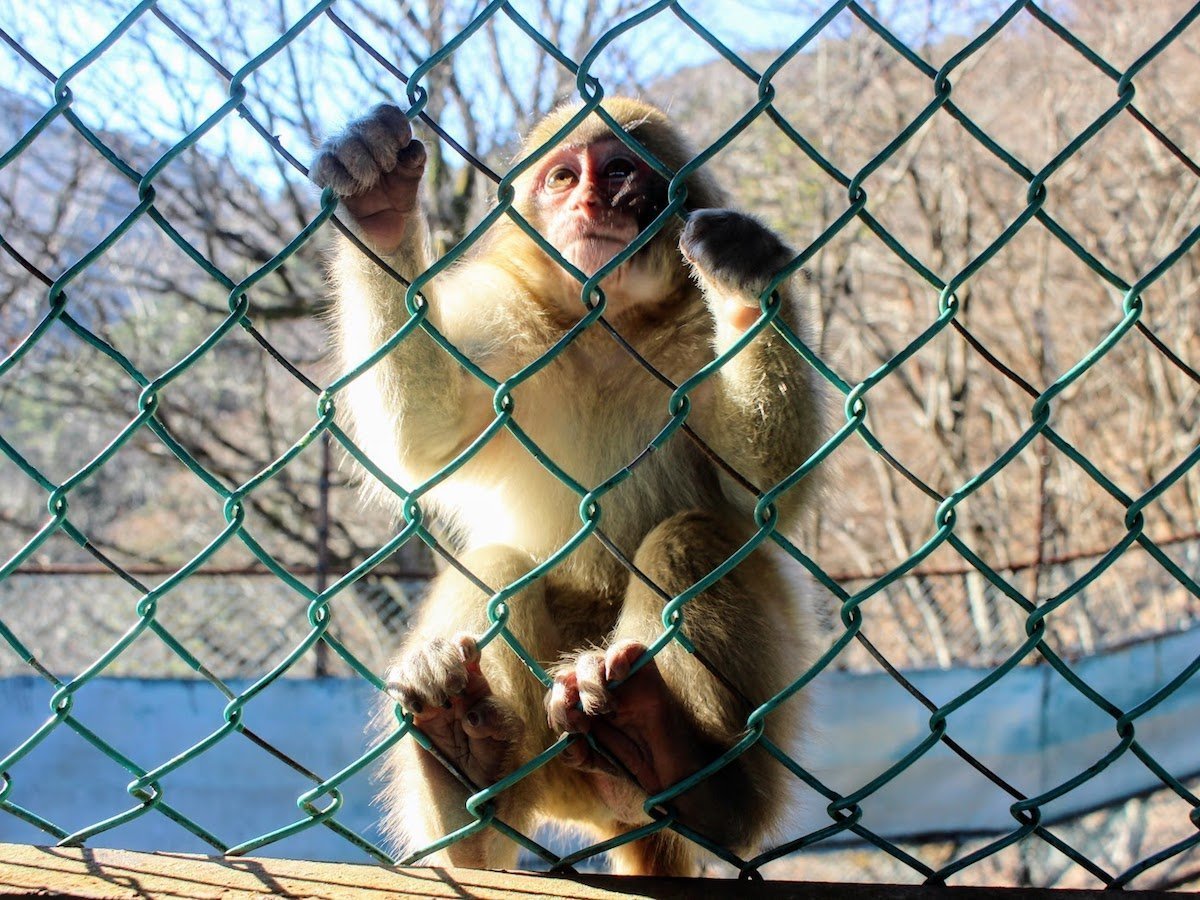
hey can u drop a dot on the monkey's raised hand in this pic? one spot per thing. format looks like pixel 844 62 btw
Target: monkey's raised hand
pixel 375 167
pixel 441 683
pixel 734 257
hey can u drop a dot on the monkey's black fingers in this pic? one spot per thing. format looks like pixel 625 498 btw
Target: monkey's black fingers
pixel 387 136
pixel 410 700
pixel 385 130
pixel 733 249
pixel 328 171
pixel 351 164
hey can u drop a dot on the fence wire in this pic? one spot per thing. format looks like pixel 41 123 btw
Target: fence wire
pixel 1032 613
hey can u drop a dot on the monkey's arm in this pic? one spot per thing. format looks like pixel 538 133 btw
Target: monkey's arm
pixel 767 410
pixel 409 406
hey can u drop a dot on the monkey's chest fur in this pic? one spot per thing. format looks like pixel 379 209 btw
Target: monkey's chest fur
pixel 591 417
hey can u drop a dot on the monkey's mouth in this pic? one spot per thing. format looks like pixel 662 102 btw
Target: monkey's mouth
pixel 592 251
pixel 600 235
pixel 611 238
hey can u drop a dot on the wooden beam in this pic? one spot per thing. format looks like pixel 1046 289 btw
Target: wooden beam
pixel 100 874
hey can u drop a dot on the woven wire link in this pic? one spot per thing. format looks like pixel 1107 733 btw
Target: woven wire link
pixel 149 787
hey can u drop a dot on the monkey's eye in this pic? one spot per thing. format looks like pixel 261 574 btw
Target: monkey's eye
pixel 560 177
pixel 619 168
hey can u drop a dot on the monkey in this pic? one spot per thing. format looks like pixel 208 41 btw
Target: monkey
pixel 688 294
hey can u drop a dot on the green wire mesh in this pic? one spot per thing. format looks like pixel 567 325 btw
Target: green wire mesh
pixel 319 806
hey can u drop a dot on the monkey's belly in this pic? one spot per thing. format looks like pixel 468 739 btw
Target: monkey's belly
pixel 505 496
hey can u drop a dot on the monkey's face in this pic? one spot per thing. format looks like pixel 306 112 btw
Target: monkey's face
pixel 591 200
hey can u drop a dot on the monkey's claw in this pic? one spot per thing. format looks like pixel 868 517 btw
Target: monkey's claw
pixel 375 167
pixel 431 675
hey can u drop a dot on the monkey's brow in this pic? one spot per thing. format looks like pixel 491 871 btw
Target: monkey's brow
pixel 567 144
pixel 578 143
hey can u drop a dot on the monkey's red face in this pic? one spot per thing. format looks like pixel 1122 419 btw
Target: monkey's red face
pixel 592 200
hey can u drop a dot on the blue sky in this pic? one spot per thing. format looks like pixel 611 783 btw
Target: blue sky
pixel 125 90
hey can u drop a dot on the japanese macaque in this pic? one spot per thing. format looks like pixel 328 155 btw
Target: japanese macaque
pixel 687 295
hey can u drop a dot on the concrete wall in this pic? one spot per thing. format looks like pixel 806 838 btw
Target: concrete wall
pixel 1032 728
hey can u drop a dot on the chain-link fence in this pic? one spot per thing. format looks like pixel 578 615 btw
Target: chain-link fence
pixel 1092 563
pixel 923 623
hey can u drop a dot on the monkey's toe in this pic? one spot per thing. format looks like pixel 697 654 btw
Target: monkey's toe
pixel 442 684
pixel 637 721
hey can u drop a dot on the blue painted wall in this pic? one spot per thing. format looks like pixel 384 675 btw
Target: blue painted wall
pixel 1033 728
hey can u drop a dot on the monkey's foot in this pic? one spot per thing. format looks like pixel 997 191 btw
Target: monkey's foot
pixel 640 722
pixel 441 683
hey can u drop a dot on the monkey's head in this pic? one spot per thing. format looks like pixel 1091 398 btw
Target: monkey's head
pixel 591 195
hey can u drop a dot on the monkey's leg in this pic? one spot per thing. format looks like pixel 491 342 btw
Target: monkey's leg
pixel 482 710
pixel 673 716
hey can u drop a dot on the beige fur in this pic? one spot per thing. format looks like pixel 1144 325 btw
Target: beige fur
pixel 592 410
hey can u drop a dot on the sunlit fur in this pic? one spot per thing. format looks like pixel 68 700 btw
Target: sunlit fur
pixel 591 410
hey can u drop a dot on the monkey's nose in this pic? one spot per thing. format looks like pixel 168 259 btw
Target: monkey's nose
pixel 587 198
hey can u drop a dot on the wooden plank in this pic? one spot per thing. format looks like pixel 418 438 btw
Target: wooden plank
pixel 124 875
